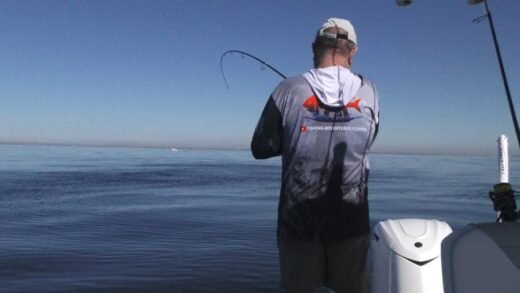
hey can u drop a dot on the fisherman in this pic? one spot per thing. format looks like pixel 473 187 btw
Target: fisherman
pixel 322 123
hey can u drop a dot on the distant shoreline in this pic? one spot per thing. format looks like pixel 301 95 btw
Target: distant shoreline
pixel 180 148
pixel 122 145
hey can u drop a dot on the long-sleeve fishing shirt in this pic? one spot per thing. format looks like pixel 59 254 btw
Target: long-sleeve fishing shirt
pixel 322 124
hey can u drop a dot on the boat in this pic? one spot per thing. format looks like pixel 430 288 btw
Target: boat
pixel 427 256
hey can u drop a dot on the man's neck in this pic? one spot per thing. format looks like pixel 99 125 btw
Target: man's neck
pixel 332 60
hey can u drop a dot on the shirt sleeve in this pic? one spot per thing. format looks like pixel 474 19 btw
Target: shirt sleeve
pixel 376 111
pixel 267 139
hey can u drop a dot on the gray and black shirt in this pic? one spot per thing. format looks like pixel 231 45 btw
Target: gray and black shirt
pixel 322 124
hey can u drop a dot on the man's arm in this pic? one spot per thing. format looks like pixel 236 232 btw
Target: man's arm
pixel 267 139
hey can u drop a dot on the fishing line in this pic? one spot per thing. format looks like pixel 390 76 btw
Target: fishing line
pixel 263 64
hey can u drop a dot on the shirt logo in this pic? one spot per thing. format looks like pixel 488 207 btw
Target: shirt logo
pixel 323 115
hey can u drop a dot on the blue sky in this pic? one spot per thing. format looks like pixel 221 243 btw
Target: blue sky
pixel 147 73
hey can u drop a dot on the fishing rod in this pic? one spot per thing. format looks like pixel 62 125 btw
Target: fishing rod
pixel 262 62
pixel 487 15
pixel 500 63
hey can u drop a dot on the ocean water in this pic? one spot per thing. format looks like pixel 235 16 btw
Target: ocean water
pixel 130 219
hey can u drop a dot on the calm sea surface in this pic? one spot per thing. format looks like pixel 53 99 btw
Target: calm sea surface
pixel 93 219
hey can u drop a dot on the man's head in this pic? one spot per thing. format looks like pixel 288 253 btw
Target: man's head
pixel 335 44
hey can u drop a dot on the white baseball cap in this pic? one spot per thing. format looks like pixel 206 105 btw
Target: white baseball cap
pixel 341 24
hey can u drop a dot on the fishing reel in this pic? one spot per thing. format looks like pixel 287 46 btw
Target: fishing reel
pixel 504 202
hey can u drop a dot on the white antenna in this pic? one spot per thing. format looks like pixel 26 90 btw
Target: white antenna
pixel 503 159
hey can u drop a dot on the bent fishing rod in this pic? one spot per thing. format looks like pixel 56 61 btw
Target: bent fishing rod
pixel 262 62
pixel 477 20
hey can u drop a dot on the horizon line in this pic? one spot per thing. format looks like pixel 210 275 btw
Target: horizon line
pixel 187 147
